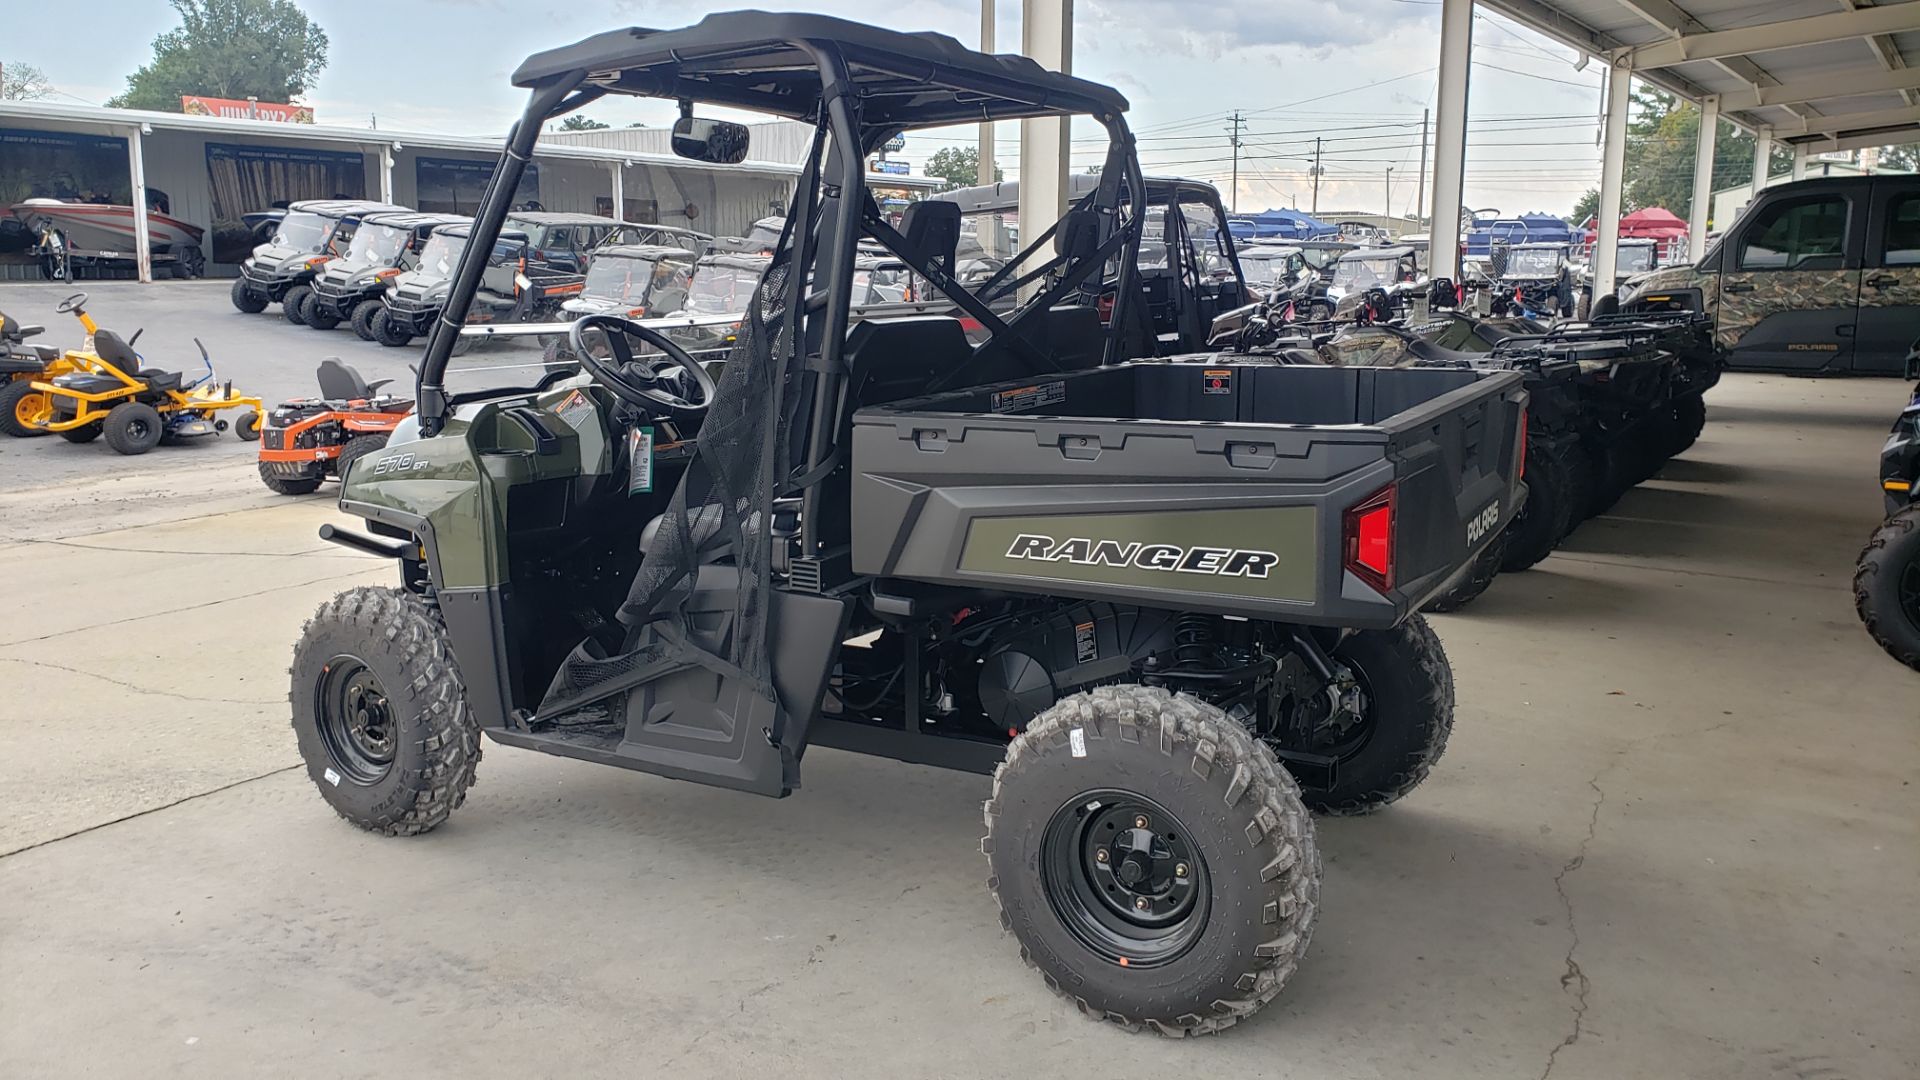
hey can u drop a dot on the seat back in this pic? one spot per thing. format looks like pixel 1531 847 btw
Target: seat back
pixel 932 227
pixel 338 382
pixel 1078 236
pixel 114 349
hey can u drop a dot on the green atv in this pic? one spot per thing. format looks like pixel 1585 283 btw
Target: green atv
pixel 1144 597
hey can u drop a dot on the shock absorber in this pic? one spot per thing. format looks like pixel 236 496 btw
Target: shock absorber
pixel 1194 642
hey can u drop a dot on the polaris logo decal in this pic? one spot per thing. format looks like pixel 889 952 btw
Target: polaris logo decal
pixel 1483 523
pixel 1170 558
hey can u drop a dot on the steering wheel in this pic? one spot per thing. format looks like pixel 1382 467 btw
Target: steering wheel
pixel 72 303
pixel 638 382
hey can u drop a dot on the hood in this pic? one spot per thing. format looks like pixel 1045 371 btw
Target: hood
pixel 275 257
pixel 1669 277
pixel 425 286
pixel 594 305
pixel 350 274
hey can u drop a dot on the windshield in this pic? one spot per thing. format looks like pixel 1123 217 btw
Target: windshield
pixel 1533 262
pixel 1263 266
pixel 442 254
pixel 302 231
pixel 721 290
pixel 639 282
pixel 1354 274
pixel 1632 260
pixel 377 245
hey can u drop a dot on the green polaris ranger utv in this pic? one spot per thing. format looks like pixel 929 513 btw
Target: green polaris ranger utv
pixel 1144 597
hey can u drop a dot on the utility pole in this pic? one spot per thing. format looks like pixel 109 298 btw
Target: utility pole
pixel 1389 195
pixel 1316 174
pixel 1420 196
pixel 1233 196
pixel 984 173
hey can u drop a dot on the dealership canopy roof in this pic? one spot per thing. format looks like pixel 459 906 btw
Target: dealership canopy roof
pixel 95 119
pixel 1826 74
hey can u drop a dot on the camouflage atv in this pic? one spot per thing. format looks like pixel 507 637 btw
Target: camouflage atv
pixel 1150 599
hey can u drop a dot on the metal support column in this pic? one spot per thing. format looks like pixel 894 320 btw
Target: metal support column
pixel 985 173
pixel 1703 151
pixel 386 173
pixel 1613 160
pixel 1046 36
pixel 1762 158
pixel 1800 161
pixel 1450 138
pixel 619 171
pixel 142 238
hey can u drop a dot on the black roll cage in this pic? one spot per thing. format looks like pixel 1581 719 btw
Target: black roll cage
pixel 834 181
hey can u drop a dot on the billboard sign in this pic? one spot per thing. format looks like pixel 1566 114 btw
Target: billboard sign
pixel 245 109
pixel 892 168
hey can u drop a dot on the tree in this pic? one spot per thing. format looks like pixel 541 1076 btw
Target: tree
pixel 959 166
pixel 576 122
pixel 1905 157
pixel 1588 205
pixel 1662 139
pixel 23 82
pixel 266 49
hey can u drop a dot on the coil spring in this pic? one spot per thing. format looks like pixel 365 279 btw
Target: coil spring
pixel 1195 641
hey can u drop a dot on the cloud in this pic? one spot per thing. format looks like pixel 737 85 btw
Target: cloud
pixel 1314 26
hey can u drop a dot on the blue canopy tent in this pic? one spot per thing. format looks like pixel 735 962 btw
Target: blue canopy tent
pixel 1525 229
pixel 1279 224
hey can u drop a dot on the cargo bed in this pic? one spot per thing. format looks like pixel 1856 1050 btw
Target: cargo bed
pixel 1196 484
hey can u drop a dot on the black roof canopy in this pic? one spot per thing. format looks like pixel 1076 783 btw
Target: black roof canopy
pixel 752 60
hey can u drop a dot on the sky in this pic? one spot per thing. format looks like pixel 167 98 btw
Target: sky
pixel 1355 73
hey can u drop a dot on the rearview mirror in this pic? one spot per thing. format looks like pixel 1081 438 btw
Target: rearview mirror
pixel 717 142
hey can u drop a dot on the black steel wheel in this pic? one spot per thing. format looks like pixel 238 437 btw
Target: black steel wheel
pixel 355 719
pixel 380 713
pixel 1153 859
pixel 1124 877
pixel 134 427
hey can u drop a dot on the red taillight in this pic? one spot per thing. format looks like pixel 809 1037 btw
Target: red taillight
pixel 1523 444
pixel 1368 531
pixel 1105 307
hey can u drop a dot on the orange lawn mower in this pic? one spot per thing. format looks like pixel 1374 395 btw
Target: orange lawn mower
pixel 308 440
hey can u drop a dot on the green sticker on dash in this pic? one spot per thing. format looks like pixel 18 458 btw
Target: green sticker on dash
pixel 640 460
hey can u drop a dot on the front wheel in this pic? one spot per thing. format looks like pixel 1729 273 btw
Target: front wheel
pixel 294 304
pixel 1154 861
pixel 363 315
pixel 248 426
pixel 1394 715
pixel 245 300
pixel 320 318
pixel 379 713
pixel 387 333
pixel 1886 586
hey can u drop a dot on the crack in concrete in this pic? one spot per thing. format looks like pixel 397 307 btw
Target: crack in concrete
pixel 135 687
pixel 190 607
pixel 1574 979
pixel 325 550
pixel 148 810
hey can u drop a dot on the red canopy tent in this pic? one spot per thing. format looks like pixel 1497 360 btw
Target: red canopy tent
pixel 1654 223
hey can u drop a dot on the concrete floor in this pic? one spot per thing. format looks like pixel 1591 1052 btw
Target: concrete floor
pixel 1674 835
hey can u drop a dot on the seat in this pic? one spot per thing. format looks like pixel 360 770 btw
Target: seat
pixel 338 382
pixel 159 382
pixel 890 359
pixel 114 349
pixel 932 228
pixel 20 365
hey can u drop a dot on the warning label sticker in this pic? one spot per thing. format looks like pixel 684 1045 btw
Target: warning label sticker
pixel 1216 381
pixel 1029 398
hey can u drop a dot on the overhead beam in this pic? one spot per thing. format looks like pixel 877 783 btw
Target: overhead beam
pixel 1837 86
pixel 1669 18
pixel 1883 137
pixel 1853 122
pixel 1574 34
pixel 1765 37
pixel 1884 51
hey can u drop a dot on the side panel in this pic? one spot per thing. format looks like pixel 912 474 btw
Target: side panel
pixel 1790 280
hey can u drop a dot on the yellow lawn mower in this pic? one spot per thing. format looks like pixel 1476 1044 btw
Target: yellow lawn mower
pixel 135 408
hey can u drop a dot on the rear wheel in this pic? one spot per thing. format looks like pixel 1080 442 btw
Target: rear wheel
pixel 1154 861
pixel 363 315
pixel 1688 420
pixel 1886 586
pixel 133 428
pixel 379 714
pixel 1392 723
pixel 290 484
pixel 246 300
pixel 294 304
pixel 1547 514
pixel 357 447
pixel 22 407
pixel 387 333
